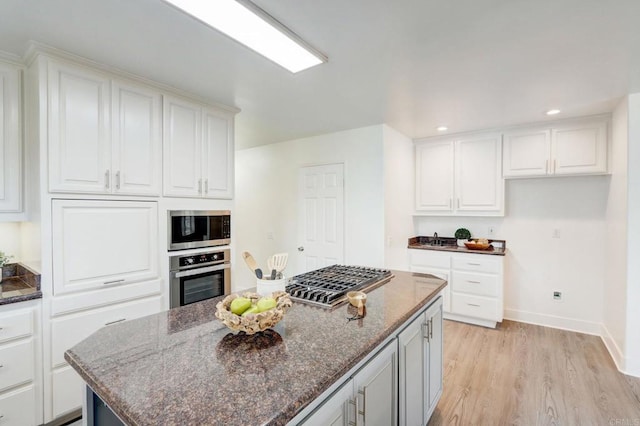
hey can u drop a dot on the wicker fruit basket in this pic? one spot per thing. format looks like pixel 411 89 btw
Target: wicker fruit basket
pixel 253 323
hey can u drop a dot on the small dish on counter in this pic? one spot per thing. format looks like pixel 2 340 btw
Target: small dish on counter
pixel 478 245
pixel 357 299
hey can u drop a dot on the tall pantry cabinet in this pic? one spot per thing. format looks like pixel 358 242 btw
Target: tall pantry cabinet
pixel 98 135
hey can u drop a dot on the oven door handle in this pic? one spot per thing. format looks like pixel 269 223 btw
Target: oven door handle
pixel 199 271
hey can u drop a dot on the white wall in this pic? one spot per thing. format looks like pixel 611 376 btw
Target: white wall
pixel 633 241
pixel 267 190
pixel 399 185
pixel 10 240
pixel 615 286
pixel 536 263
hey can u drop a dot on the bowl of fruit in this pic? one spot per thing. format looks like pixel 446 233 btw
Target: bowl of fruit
pixel 251 312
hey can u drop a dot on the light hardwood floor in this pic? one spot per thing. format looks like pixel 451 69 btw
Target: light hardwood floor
pixel 522 374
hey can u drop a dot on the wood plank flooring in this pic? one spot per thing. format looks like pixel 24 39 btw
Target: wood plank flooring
pixel 522 374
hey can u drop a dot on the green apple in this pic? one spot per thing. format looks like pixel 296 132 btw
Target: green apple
pixel 266 303
pixel 240 305
pixel 251 310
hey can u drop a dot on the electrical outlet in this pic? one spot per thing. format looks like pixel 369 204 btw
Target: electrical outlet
pixel 269 235
pixel 555 233
pixel 557 295
pixel 490 231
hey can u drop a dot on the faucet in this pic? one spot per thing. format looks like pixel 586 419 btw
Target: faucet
pixel 435 239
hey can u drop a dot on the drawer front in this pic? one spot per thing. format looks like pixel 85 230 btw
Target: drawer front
pixel 476 284
pixel 18 408
pixel 476 306
pixel 68 391
pixel 16 364
pixel 68 330
pixel 429 258
pixel 16 324
pixel 477 263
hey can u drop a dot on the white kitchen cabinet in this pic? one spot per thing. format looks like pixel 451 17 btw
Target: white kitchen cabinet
pixel 21 364
pixel 98 244
pixel 370 394
pixel 68 330
pixel 574 147
pixel 11 181
pixel 420 351
pixel 104 135
pixel 198 147
pixel 136 166
pixel 475 293
pixel 460 176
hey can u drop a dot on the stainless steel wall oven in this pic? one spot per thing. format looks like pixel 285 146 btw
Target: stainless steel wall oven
pixel 196 277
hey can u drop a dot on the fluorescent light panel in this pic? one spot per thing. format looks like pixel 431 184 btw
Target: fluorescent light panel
pixel 251 26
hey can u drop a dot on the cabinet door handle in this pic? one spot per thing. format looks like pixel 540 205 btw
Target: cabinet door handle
pixel 473 264
pixel 473 304
pixel 425 325
pixel 363 392
pixel 458 202
pixel 546 166
pixel 355 404
pixel 115 322
pixel 430 329
pixel 450 203
pixel 118 179
pixel 554 165
pixel 199 186
pixel 107 178
pixel 113 282
pixel 474 282
pixel 206 186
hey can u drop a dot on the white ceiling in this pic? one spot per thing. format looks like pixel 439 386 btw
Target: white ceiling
pixel 413 64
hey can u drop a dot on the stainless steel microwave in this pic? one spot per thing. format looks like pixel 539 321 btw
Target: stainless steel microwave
pixel 198 228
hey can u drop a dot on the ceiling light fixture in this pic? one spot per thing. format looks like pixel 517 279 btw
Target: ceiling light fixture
pixel 553 112
pixel 442 128
pixel 248 24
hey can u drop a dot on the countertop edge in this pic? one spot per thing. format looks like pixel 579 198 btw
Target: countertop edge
pixel 463 250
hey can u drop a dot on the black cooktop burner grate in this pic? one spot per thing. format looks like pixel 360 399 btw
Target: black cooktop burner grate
pixel 327 287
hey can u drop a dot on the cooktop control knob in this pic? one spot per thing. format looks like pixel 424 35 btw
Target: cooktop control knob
pixel 189 260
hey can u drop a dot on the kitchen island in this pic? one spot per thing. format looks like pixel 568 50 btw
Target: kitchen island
pixel 183 366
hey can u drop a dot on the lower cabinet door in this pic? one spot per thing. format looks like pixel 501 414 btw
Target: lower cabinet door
pixel 68 390
pixel 375 387
pixel 18 407
pixel 435 360
pixel 412 347
pixel 16 364
pixel 337 410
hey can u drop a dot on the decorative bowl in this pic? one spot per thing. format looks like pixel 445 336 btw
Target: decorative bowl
pixel 252 323
pixel 477 245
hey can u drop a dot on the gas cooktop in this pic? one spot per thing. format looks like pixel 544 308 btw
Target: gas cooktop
pixel 327 287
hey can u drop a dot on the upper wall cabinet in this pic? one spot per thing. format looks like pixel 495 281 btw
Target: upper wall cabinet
pixel 460 176
pixel 10 140
pixel 570 148
pixel 104 135
pixel 198 150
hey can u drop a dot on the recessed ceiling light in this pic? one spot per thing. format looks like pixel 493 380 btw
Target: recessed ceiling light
pixel 246 23
pixel 442 128
pixel 553 112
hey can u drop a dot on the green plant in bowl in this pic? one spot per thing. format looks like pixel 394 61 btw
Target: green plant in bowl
pixel 462 234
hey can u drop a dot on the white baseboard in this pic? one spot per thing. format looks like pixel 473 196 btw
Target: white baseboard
pixel 612 347
pixel 570 324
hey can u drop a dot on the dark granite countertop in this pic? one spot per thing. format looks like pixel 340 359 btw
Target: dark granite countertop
pixel 450 244
pixel 19 283
pixel 183 366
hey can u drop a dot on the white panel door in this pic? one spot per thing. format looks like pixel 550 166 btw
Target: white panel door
pixel 434 176
pixel 10 140
pixel 412 347
pixel 217 155
pixel 102 243
pixel 136 135
pixel 321 216
pixel 479 184
pixel 526 153
pixel 79 141
pixel 18 407
pixel 579 148
pixel 182 148
pixel 336 410
pixel 434 364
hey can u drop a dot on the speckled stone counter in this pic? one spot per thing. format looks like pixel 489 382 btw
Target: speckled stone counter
pixel 426 243
pixel 19 283
pixel 184 366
